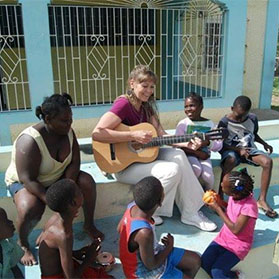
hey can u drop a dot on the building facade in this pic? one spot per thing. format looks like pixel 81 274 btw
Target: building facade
pixel 219 49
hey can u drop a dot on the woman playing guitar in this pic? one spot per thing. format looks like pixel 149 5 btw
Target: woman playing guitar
pixel 171 166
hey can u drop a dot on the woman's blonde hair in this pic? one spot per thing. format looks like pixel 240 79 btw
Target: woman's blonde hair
pixel 140 74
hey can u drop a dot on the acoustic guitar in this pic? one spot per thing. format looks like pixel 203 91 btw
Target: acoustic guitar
pixel 114 157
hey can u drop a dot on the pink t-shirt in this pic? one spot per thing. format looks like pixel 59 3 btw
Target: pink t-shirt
pixel 241 243
pixel 128 114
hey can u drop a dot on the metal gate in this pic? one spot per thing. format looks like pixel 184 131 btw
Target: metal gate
pixel 94 48
pixel 14 87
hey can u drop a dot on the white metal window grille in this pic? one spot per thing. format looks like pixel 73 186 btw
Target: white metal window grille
pixel 94 48
pixel 14 87
pixel 212 43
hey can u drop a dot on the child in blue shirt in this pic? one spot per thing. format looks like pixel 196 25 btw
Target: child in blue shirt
pixel 10 251
pixel 239 147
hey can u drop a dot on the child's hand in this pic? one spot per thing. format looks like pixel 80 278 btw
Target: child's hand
pixel 168 241
pixel 214 205
pixel 243 152
pixel 268 148
pixel 92 250
pixel 205 142
pixel 196 143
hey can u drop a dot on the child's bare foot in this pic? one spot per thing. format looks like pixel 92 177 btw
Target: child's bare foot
pixel 268 211
pixel 28 258
pixel 93 232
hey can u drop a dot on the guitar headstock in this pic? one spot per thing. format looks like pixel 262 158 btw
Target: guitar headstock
pixel 217 134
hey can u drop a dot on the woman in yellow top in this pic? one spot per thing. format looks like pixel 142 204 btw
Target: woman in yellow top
pixel 43 154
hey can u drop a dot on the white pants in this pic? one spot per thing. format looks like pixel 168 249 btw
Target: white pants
pixel 174 171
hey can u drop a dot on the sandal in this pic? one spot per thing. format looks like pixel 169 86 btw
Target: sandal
pixel 269 212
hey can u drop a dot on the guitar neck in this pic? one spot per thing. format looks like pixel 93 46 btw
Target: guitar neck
pixel 168 140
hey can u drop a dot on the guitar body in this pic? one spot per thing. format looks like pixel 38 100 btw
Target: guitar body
pixel 115 157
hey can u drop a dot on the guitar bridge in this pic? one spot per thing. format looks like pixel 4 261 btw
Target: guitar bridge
pixel 112 151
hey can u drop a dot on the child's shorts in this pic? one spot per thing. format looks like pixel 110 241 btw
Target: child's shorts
pixel 238 159
pixel 174 258
pixel 14 188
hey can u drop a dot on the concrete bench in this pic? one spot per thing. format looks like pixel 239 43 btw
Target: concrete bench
pixel 113 196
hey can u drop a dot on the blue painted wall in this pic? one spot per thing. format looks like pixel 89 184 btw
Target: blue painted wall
pixel 37 40
pixel 270 46
pixel 37 48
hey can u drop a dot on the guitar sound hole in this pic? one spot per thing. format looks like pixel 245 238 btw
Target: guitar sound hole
pixel 135 146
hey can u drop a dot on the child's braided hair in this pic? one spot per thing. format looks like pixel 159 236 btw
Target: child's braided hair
pixel 242 183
